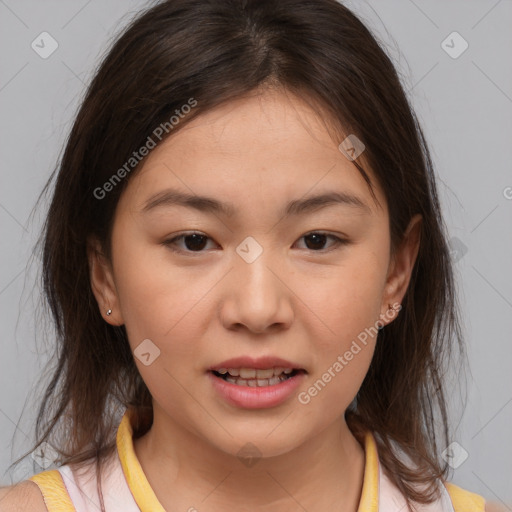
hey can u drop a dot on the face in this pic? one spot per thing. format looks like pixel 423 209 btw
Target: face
pixel 259 276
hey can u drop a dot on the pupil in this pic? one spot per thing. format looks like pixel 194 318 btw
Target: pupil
pixel 196 242
pixel 318 238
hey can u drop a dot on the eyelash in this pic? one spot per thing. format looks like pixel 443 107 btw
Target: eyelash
pixel 338 242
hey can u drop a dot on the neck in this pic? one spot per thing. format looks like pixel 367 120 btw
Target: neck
pixel 184 470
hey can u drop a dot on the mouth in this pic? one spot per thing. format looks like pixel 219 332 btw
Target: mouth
pixel 256 377
pixel 256 383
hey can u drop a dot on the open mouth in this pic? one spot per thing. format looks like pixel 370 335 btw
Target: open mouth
pixel 252 377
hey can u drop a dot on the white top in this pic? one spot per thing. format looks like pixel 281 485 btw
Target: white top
pixel 82 489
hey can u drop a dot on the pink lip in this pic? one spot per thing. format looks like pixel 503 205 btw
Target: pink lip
pixel 256 397
pixel 260 363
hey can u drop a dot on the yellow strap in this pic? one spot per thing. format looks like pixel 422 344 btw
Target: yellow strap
pixel 462 500
pixel 54 491
pixel 133 472
pixel 370 493
pixel 465 501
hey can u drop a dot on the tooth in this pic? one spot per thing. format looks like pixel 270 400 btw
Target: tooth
pixel 247 373
pixel 222 371
pixel 264 374
pixel 234 371
pixel 257 382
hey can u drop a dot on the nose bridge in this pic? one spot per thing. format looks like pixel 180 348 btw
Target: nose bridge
pixel 256 297
pixel 253 272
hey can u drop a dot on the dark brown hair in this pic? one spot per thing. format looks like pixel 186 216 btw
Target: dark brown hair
pixel 216 51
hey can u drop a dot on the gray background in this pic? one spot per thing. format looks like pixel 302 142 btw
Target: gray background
pixel 464 104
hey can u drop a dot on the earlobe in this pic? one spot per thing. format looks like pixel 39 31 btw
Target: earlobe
pixel 102 283
pixel 402 265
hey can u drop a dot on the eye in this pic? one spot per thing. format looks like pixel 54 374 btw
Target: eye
pixel 317 239
pixel 194 242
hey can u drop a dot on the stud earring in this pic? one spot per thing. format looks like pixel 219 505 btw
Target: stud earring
pixel 109 312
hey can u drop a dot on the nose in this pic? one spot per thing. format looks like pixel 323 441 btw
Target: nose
pixel 256 296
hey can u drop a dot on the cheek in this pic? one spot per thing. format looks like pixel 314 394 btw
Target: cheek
pixel 348 302
pixel 347 298
pixel 158 304
pixel 153 295
pixel 343 357
pixel 165 312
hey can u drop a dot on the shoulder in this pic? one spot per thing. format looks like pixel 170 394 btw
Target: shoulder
pixel 22 496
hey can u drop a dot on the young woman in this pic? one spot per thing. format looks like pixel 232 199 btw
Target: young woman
pixel 248 271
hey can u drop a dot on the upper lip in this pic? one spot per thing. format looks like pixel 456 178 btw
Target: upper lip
pixel 259 363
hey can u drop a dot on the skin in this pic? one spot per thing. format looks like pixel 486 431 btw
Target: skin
pixel 298 300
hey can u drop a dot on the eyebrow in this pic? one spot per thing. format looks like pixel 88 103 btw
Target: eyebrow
pixel 210 205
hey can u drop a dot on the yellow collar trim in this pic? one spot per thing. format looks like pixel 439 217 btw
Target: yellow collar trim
pixel 135 477
pixel 55 494
pixel 370 492
pixel 148 502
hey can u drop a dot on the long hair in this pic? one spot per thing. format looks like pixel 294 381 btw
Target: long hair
pixel 216 51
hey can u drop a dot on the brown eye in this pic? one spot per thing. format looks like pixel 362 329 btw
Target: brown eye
pixel 192 242
pixel 195 242
pixel 316 241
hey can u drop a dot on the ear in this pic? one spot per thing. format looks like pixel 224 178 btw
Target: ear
pixel 102 283
pixel 400 270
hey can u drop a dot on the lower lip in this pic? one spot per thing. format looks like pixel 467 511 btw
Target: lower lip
pixel 256 397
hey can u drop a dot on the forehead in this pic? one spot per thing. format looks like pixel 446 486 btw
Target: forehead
pixel 268 145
